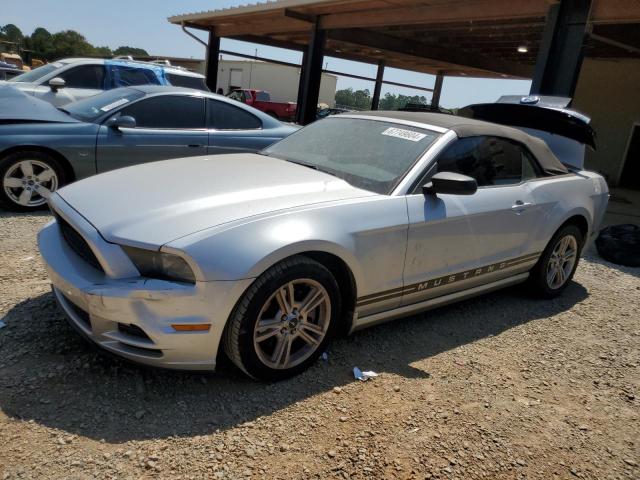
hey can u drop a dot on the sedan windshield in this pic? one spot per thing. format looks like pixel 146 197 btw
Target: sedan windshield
pixel 91 108
pixel 369 154
pixel 37 73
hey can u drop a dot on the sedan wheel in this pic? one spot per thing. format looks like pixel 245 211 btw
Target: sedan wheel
pixel 557 264
pixel 284 321
pixel 28 179
pixel 292 324
pixel 561 262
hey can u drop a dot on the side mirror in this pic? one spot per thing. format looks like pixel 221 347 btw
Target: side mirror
pixel 451 183
pixel 123 121
pixel 56 83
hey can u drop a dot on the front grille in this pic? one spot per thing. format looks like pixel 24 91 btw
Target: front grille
pixel 78 244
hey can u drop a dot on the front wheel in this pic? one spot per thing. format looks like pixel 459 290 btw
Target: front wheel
pixel 284 321
pixel 558 263
pixel 28 179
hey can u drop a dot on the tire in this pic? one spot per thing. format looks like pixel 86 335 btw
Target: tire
pixel 22 189
pixel 269 344
pixel 540 280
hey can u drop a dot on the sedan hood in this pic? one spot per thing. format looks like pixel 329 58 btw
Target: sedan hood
pixel 17 106
pixel 152 204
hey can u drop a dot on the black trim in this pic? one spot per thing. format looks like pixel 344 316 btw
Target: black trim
pixel 444 280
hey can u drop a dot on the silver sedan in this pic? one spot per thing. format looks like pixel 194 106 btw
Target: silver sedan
pixel 353 220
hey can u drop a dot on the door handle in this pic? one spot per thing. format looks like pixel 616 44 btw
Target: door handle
pixel 520 206
pixel 195 145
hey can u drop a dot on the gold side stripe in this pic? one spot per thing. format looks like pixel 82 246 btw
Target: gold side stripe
pixel 445 280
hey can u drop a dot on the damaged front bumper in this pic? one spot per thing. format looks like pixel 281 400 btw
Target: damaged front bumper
pixel 133 316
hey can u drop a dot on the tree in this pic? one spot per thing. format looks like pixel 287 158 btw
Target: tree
pixel 358 99
pixel 133 51
pixel 102 51
pixel 69 43
pixel 361 100
pixel 40 42
pixel 11 33
pixel 394 102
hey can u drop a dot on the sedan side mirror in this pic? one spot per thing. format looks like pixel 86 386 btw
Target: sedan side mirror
pixel 451 183
pixel 56 83
pixel 123 121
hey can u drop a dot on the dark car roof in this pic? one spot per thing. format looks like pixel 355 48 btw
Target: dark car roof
pixel 151 89
pixel 468 127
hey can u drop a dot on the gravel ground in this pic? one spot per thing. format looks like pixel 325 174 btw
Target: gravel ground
pixel 501 386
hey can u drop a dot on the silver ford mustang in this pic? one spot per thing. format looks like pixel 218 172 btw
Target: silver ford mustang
pixel 353 220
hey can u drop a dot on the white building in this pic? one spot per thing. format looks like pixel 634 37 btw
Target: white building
pixel 280 81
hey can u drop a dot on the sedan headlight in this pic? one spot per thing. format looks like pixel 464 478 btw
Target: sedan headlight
pixel 164 266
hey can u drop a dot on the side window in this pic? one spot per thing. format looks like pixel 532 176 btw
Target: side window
pixel 263 97
pixel 223 116
pixel 168 112
pixel 530 167
pixel 129 76
pixel 490 160
pixel 187 82
pixel 84 76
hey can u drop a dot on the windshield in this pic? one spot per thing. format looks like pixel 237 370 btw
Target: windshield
pixel 91 108
pixel 369 154
pixel 37 73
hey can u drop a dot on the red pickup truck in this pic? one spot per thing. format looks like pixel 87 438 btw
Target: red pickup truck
pixel 262 101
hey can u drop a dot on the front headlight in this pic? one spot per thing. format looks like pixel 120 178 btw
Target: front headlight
pixel 164 266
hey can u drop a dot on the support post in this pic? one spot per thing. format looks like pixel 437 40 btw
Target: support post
pixel 301 87
pixel 561 49
pixel 375 101
pixel 213 56
pixel 311 75
pixel 437 90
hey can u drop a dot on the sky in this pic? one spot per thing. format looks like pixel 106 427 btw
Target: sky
pixel 143 23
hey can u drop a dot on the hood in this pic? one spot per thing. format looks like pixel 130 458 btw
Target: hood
pixel 152 204
pixel 17 106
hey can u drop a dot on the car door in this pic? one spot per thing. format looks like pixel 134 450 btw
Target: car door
pixel 457 242
pixel 167 126
pixel 82 81
pixel 234 129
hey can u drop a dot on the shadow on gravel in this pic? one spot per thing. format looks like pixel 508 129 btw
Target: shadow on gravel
pixel 593 257
pixel 48 374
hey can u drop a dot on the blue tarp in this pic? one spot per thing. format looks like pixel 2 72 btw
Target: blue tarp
pixel 122 73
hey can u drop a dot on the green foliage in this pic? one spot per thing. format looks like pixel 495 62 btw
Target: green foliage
pixel 358 99
pixel 361 100
pixel 133 51
pixel 394 102
pixel 11 33
pixel 68 43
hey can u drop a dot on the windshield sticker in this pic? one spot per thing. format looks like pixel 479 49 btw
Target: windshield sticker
pixel 115 104
pixel 404 134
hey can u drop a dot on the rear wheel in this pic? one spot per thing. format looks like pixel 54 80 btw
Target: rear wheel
pixel 28 179
pixel 284 321
pixel 558 262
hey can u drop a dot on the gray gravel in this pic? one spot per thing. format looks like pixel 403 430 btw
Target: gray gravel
pixel 502 386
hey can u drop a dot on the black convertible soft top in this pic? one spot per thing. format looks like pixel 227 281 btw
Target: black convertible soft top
pixel 467 127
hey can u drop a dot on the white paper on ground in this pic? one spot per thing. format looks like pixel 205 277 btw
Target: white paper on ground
pixel 363 376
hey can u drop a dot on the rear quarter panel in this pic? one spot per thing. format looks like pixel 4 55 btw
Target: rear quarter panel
pixel 562 197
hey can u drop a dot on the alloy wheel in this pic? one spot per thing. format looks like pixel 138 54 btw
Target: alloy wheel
pixel 292 323
pixel 561 262
pixel 29 183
